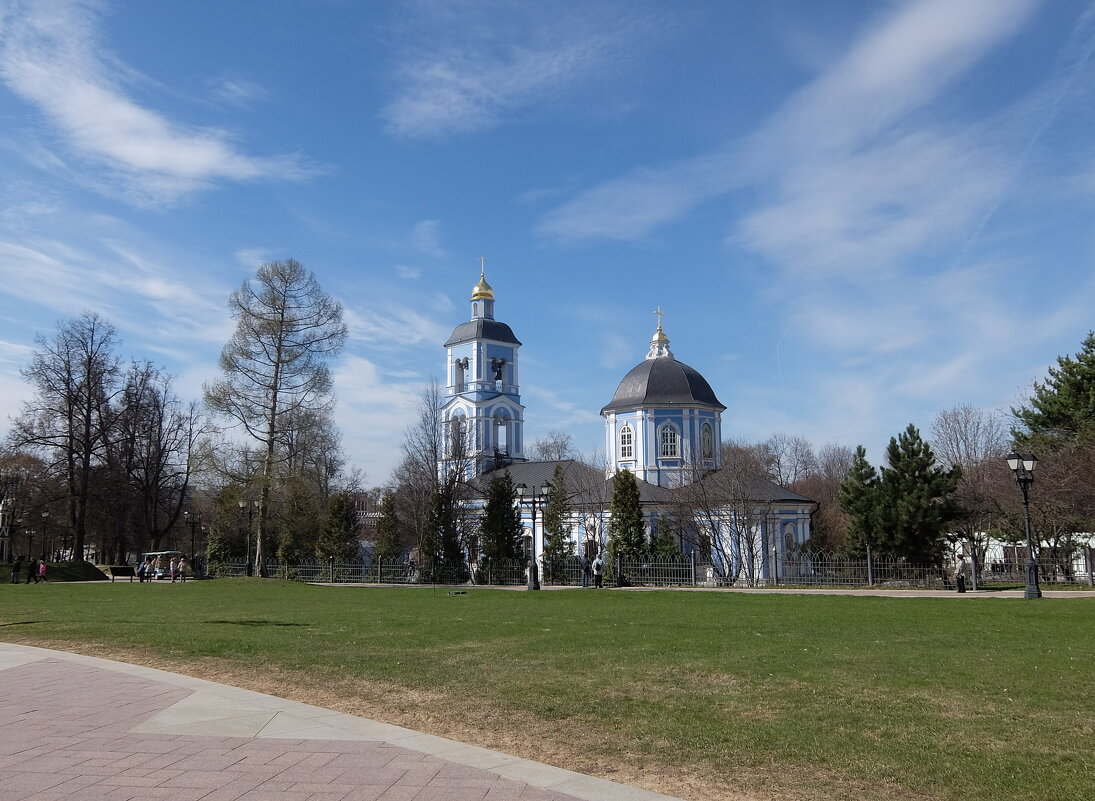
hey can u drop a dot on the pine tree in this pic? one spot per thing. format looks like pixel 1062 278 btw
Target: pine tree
pixel 557 544
pixel 338 540
pixel 916 500
pixel 500 530
pixel 665 539
pixel 626 535
pixel 1062 408
pixel 859 498
pixel 386 544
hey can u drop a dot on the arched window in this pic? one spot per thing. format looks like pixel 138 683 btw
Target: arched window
pixel 668 442
pixel 501 432
pixel 457 446
pixel 707 441
pixel 627 442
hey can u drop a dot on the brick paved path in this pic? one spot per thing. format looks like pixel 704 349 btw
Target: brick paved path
pixel 77 727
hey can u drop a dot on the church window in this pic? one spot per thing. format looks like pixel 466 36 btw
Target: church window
pixel 668 442
pixel 707 437
pixel 501 433
pixel 627 443
pixel 457 444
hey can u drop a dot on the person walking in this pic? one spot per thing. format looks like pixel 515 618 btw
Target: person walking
pixel 583 564
pixel 173 567
pixel 18 563
pixel 184 568
pixel 598 572
pixel 41 570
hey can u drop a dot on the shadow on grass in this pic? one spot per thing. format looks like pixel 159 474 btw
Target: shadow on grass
pixel 257 623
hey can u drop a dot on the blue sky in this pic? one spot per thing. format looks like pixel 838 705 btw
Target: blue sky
pixel 854 214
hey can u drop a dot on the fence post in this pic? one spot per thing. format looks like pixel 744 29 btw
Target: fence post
pixel 1090 566
pixel 331 569
pixel 619 571
pixel 775 564
pixel 973 569
pixel 870 568
pixel 692 554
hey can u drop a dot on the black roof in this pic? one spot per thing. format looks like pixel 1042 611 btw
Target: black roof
pixel 585 485
pixel 662 382
pixel 482 328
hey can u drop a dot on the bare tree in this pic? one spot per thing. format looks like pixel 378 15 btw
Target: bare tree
pixel 790 458
pixel 555 446
pixel 829 523
pixel 275 364
pixel 976 441
pixel 68 422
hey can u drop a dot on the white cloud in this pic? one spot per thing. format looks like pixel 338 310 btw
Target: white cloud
pixel 408 272
pixel 426 238
pixel 469 66
pixel 51 56
pixel 398 327
pixel 852 118
pixel 372 412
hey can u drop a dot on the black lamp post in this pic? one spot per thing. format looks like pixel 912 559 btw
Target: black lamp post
pixel 535 500
pixel 1023 468
pixel 250 507
pixel 46 538
pixel 193 521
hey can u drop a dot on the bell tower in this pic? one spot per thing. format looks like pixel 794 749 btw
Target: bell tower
pixel 482 417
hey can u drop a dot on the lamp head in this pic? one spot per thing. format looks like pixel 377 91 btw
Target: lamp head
pixel 1014 460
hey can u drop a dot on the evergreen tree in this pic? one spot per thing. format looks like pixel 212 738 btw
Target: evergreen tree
pixel 665 539
pixel 386 544
pixel 557 544
pixel 859 498
pixel 1062 408
pixel 625 529
pixel 217 555
pixel 916 502
pixel 338 539
pixel 439 545
pixel 500 530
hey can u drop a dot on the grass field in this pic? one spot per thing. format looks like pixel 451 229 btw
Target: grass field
pixel 700 695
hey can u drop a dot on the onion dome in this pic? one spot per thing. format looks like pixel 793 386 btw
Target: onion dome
pixel 661 380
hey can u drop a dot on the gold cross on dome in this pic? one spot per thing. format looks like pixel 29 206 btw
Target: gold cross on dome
pixel 659 314
pixel 482 267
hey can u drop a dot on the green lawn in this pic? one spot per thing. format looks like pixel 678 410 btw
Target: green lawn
pixel 768 695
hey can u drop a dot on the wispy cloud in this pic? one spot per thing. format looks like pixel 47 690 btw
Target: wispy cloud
pixel 52 56
pixel 850 122
pixel 426 238
pixel 468 66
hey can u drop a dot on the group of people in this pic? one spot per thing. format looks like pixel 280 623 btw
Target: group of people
pixel 36 569
pixel 596 568
pixel 178 568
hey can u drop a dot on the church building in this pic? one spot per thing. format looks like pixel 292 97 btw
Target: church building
pixel 663 424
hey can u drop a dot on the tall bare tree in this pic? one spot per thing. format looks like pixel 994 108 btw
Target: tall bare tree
pixel 275 365
pixel 76 377
pixel 976 441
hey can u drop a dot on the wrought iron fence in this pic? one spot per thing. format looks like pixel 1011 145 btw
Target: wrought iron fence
pixel 791 569
pixel 657 570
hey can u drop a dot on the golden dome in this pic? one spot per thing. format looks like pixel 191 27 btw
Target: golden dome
pixel 482 290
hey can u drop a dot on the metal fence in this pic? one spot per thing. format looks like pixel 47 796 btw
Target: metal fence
pixel 790 569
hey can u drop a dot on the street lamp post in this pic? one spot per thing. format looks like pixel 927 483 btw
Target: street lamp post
pixel 535 500
pixel 48 548
pixel 1023 468
pixel 193 521
pixel 250 507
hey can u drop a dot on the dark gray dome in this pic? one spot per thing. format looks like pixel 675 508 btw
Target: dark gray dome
pixel 482 328
pixel 662 382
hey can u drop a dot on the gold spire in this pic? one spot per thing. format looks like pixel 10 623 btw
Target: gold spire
pixel 659 335
pixel 482 290
pixel 659 343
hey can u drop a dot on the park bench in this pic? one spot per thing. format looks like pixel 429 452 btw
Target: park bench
pixel 122 571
